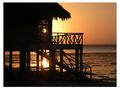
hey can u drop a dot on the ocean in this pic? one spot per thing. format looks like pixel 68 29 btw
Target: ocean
pixel 102 59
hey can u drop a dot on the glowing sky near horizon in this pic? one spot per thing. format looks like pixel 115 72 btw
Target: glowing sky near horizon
pixel 96 20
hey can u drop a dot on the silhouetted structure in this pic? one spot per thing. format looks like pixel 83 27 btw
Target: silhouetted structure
pixel 28 27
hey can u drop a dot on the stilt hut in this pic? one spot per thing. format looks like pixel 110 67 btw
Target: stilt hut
pixel 29 26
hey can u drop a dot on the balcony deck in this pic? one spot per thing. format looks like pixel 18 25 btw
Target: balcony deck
pixel 67 40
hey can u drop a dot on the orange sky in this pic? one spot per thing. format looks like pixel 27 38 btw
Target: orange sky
pixel 96 20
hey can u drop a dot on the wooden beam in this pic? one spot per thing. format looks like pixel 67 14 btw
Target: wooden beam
pixel 66 46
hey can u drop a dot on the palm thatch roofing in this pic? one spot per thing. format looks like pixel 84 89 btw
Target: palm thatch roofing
pixel 35 11
pixel 21 20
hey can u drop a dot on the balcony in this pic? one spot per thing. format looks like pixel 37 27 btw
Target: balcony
pixel 67 40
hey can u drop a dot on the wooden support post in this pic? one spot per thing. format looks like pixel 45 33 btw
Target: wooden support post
pixel 41 59
pixel 28 60
pixel 37 60
pixel 52 65
pixel 22 60
pixel 61 60
pixel 81 61
pixel 76 62
pixel 52 50
pixel 52 60
pixel 10 63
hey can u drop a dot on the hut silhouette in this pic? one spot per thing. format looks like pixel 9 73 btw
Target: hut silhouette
pixel 21 22
pixel 28 27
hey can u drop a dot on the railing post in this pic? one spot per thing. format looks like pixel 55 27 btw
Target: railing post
pixel 57 38
pixel 74 38
pixel 82 39
pixel 65 38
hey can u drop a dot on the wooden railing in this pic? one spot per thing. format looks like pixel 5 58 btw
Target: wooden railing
pixel 67 38
pixel 69 65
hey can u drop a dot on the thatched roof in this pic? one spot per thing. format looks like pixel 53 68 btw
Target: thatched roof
pixel 21 20
pixel 36 11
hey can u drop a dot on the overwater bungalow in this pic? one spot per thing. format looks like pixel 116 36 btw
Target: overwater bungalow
pixel 28 27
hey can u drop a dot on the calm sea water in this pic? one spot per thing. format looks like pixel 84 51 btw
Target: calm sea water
pixel 102 59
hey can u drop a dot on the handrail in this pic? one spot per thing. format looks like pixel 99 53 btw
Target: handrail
pixel 69 60
pixel 86 66
pixel 67 33
pixel 71 65
pixel 67 38
pixel 70 56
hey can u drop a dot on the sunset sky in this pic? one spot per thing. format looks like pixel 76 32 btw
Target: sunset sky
pixel 96 20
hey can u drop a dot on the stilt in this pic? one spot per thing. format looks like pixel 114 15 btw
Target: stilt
pixel 52 60
pixel 76 62
pixel 37 61
pixel 52 64
pixel 81 61
pixel 10 60
pixel 22 60
pixel 28 60
pixel 41 59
